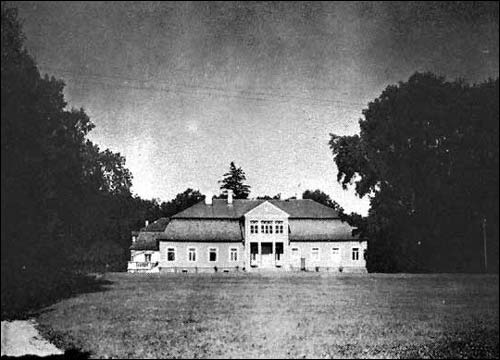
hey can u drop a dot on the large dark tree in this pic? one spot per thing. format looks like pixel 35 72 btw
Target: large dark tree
pixel 233 180
pixel 427 155
pixel 63 199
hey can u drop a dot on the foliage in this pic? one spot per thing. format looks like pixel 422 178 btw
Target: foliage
pixel 427 156
pixel 181 201
pixel 233 180
pixel 267 197
pixel 63 198
pixel 322 198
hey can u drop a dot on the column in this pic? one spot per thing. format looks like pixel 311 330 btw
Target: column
pixel 274 251
pixel 260 252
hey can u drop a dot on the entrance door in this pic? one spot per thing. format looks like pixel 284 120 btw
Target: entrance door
pixel 267 254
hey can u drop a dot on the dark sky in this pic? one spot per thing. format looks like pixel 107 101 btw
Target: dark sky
pixel 182 89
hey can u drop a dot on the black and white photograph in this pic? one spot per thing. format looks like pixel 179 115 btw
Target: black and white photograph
pixel 261 179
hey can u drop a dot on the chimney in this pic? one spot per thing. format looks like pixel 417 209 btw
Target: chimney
pixel 134 239
pixel 146 223
pixel 230 197
pixel 299 192
pixel 208 198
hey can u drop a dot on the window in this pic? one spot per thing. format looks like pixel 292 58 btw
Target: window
pixel 279 250
pixel 254 227
pixel 355 254
pixel 295 252
pixel 212 254
pixel 147 257
pixel 335 252
pixel 191 254
pixel 266 227
pixel 279 227
pixel 233 254
pixel 254 250
pixel 170 254
pixel 315 253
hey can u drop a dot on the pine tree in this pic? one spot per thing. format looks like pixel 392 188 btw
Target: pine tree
pixel 233 180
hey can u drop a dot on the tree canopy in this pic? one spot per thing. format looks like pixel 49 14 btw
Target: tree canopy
pixel 427 155
pixel 322 198
pixel 63 199
pixel 233 180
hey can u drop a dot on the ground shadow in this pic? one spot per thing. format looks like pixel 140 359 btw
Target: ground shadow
pixel 30 297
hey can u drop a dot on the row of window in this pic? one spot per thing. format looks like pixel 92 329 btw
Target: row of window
pixel 335 253
pixel 266 226
pixel 192 254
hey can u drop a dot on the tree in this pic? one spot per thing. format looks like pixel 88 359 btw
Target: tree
pixel 182 201
pixel 427 155
pixel 233 180
pixel 267 197
pixel 322 198
pixel 60 193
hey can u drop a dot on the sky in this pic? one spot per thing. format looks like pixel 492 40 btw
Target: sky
pixel 181 89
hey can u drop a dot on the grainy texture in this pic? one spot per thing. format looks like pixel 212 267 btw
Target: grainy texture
pixel 282 315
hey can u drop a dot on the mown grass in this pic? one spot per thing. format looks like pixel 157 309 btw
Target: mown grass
pixel 281 316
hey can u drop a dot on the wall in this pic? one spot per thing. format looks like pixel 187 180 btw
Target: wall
pixel 202 262
pixel 326 260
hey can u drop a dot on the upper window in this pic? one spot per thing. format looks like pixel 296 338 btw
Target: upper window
pixel 212 254
pixel 254 227
pixel 192 254
pixel 279 227
pixel 315 253
pixel 170 254
pixel 355 254
pixel 233 254
pixel 266 226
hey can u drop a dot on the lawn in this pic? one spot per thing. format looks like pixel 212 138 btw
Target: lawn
pixel 288 315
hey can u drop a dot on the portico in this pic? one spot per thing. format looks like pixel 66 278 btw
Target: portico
pixel 266 236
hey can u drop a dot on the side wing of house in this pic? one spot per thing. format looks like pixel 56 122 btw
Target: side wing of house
pixel 202 245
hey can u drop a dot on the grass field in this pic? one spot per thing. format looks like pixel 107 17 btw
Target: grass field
pixel 281 316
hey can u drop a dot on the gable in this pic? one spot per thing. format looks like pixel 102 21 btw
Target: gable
pixel 266 210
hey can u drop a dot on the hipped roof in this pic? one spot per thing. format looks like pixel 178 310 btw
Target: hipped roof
pixel 147 244
pixel 156 226
pixel 220 209
pixel 319 230
pixel 203 229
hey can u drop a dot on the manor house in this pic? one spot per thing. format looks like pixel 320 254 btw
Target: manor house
pixel 251 235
